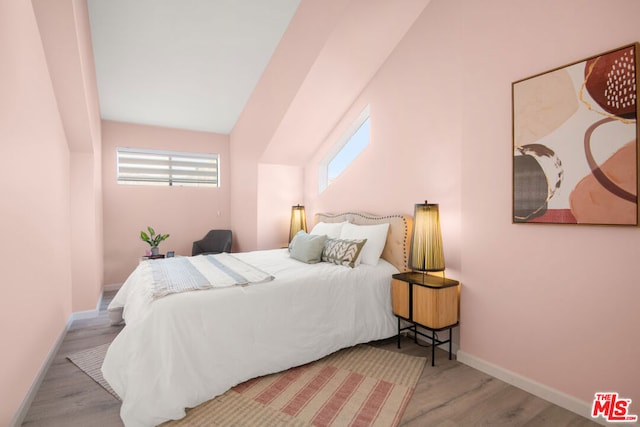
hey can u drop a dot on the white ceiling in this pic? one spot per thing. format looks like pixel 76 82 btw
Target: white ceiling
pixel 188 64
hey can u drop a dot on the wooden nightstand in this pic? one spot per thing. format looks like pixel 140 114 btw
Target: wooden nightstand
pixel 427 301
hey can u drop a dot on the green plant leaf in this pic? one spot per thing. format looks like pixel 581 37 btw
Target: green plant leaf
pixel 152 239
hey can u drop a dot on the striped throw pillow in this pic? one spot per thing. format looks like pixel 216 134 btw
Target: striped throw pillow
pixel 343 252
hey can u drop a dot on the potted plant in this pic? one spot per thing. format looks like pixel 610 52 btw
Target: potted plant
pixel 153 239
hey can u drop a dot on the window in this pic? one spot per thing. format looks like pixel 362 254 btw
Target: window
pixel 156 167
pixel 348 148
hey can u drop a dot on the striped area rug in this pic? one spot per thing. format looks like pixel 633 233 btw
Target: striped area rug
pixel 90 362
pixel 357 386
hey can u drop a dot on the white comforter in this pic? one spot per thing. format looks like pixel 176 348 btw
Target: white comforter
pixel 184 349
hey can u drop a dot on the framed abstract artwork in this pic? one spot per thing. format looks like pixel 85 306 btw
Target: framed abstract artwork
pixel 575 142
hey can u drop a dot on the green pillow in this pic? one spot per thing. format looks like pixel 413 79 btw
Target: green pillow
pixel 307 247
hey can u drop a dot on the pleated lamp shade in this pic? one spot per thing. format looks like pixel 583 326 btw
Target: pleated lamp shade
pixel 426 243
pixel 298 221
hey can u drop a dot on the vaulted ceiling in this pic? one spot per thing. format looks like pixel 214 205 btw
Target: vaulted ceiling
pixel 195 64
pixel 184 64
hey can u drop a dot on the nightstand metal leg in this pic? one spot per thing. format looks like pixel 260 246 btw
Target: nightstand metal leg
pixel 433 349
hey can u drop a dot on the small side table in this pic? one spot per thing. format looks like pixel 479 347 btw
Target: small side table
pixel 428 301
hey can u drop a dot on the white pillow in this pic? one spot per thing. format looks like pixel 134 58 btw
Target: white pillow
pixel 329 229
pixel 376 236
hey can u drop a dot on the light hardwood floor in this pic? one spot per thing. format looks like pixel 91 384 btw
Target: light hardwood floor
pixel 449 394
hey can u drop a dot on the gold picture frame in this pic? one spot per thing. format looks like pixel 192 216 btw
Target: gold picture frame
pixel 575 142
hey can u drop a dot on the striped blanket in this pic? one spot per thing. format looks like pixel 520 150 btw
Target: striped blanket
pixel 183 274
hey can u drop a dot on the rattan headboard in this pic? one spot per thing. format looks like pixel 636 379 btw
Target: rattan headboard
pixel 396 250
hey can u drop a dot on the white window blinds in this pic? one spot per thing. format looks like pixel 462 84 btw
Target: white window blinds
pixel 157 167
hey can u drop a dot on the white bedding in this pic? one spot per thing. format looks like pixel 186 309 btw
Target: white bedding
pixel 184 349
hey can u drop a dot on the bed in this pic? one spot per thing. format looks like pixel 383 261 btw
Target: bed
pixel 185 348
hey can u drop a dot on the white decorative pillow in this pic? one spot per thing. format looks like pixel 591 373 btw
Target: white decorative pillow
pixel 376 236
pixel 307 248
pixel 330 229
pixel 343 252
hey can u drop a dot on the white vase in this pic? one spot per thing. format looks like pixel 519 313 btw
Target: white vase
pixel 155 251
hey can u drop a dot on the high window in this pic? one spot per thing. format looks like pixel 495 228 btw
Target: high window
pixel 156 167
pixel 346 150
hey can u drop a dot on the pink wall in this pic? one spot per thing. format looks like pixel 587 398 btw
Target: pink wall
pixel 86 231
pixel 66 37
pixel 329 52
pixel 551 304
pixel 88 257
pixel 559 304
pixel 279 188
pixel 268 104
pixel 35 253
pixel 187 213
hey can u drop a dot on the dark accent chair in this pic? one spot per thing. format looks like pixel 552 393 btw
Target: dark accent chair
pixel 215 242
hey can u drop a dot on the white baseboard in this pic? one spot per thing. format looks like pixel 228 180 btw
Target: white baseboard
pixel 21 413
pixel 552 395
pixel 87 314
pixel 26 402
